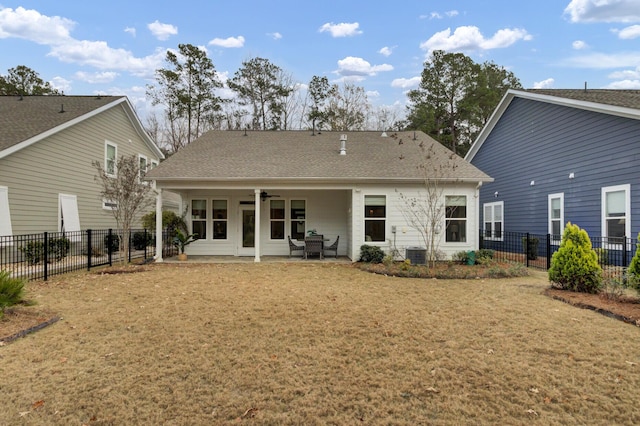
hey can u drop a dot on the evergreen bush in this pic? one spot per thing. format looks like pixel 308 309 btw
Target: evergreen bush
pixel 371 254
pixel 141 240
pixel 11 291
pixel 633 273
pixel 575 265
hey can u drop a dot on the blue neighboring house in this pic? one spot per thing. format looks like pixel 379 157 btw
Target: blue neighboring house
pixel 561 156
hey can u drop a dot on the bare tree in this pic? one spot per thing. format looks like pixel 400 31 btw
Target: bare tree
pixel 127 192
pixel 348 107
pixel 425 211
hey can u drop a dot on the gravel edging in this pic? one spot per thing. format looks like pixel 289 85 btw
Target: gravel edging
pixel 29 330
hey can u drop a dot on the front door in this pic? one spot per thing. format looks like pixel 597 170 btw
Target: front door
pixel 246 246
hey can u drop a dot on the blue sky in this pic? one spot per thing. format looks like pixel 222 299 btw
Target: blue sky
pixel 89 47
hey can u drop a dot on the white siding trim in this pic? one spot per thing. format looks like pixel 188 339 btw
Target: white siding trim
pixel 5 214
pixel 559 195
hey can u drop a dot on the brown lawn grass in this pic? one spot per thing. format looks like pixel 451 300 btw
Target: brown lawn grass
pixel 279 343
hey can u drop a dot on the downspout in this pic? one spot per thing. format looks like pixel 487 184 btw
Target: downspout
pixel 158 256
pixel 476 244
pixel 256 227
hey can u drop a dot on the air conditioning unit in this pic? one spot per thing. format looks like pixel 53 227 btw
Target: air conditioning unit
pixel 416 255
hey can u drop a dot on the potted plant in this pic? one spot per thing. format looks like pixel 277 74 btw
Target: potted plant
pixel 181 240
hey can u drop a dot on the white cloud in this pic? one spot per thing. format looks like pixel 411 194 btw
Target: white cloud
pixel 275 36
pixel 544 84
pixel 579 45
pixel 230 42
pixel 358 68
pixel 605 60
pixel 625 74
pixel 438 15
pixel 468 38
pixel 406 83
pixel 373 94
pixel 624 84
pixel 386 51
pixel 97 77
pixel 341 30
pixel 451 13
pixel 162 31
pixel 60 84
pixel 99 55
pixel 629 32
pixel 603 11
pixel 31 25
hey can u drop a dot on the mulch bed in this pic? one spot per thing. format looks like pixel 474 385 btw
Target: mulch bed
pixel 625 309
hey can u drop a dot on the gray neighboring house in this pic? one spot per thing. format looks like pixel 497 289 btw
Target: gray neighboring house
pixel 47 145
pixel 561 156
pixel 247 192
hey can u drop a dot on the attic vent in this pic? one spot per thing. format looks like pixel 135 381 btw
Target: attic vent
pixel 343 144
pixel 61 108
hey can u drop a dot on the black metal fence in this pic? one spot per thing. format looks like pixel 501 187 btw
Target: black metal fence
pixel 535 250
pixel 39 256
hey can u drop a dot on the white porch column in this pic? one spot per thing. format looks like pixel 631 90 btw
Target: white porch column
pixel 158 256
pixel 256 238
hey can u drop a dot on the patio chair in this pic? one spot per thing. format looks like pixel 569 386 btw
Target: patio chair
pixel 294 247
pixel 333 247
pixel 313 245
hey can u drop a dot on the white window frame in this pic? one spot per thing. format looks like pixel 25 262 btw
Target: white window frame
pixel 493 220
pixel 141 172
pixel 109 205
pixel 374 218
pixel 106 159
pixel 293 220
pixel 5 218
pixel 206 219
pixel 627 224
pixel 283 220
pixel 214 220
pixel 464 220
pixel 560 196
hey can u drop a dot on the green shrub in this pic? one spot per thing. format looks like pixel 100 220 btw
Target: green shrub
pixel 170 221
pixel 371 254
pixel 11 291
pixel 634 267
pixel 484 256
pixel 141 240
pixel 575 265
pixel 112 242
pixel 34 250
pixel 532 248
pixel 460 257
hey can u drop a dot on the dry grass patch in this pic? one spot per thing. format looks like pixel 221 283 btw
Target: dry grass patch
pixel 315 344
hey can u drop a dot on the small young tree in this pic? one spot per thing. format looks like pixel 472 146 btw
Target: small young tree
pixel 575 265
pixel 127 192
pixel 634 269
pixel 425 212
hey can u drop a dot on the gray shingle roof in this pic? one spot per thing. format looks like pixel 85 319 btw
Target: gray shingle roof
pixel 299 155
pixel 24 118
pixel 621 98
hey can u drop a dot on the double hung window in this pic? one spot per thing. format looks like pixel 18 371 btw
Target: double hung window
pixel 375 213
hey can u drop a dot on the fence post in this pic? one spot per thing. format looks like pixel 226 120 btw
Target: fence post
pixel 624 252
pixel 89 249
pixel 548 251
pixel 480 241
pixel 109 245
pixel 526 250
pixel 46 256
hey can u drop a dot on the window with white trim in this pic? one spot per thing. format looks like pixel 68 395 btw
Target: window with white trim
pixel 556 216
pixel 110 158
pixel 277 219
pixel 298 219
pixel 199 218
pixel 142 166
pixel 455 218
pixel 220 218
pixel 375 213
pixel 109 205
pixel 493 215
pixel 5 218
pixel 616 212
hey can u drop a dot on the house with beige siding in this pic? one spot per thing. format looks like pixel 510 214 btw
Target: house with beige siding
pixel 247 192
pixel 47 146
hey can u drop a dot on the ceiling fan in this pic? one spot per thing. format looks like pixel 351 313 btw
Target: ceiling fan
pixel 264 195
